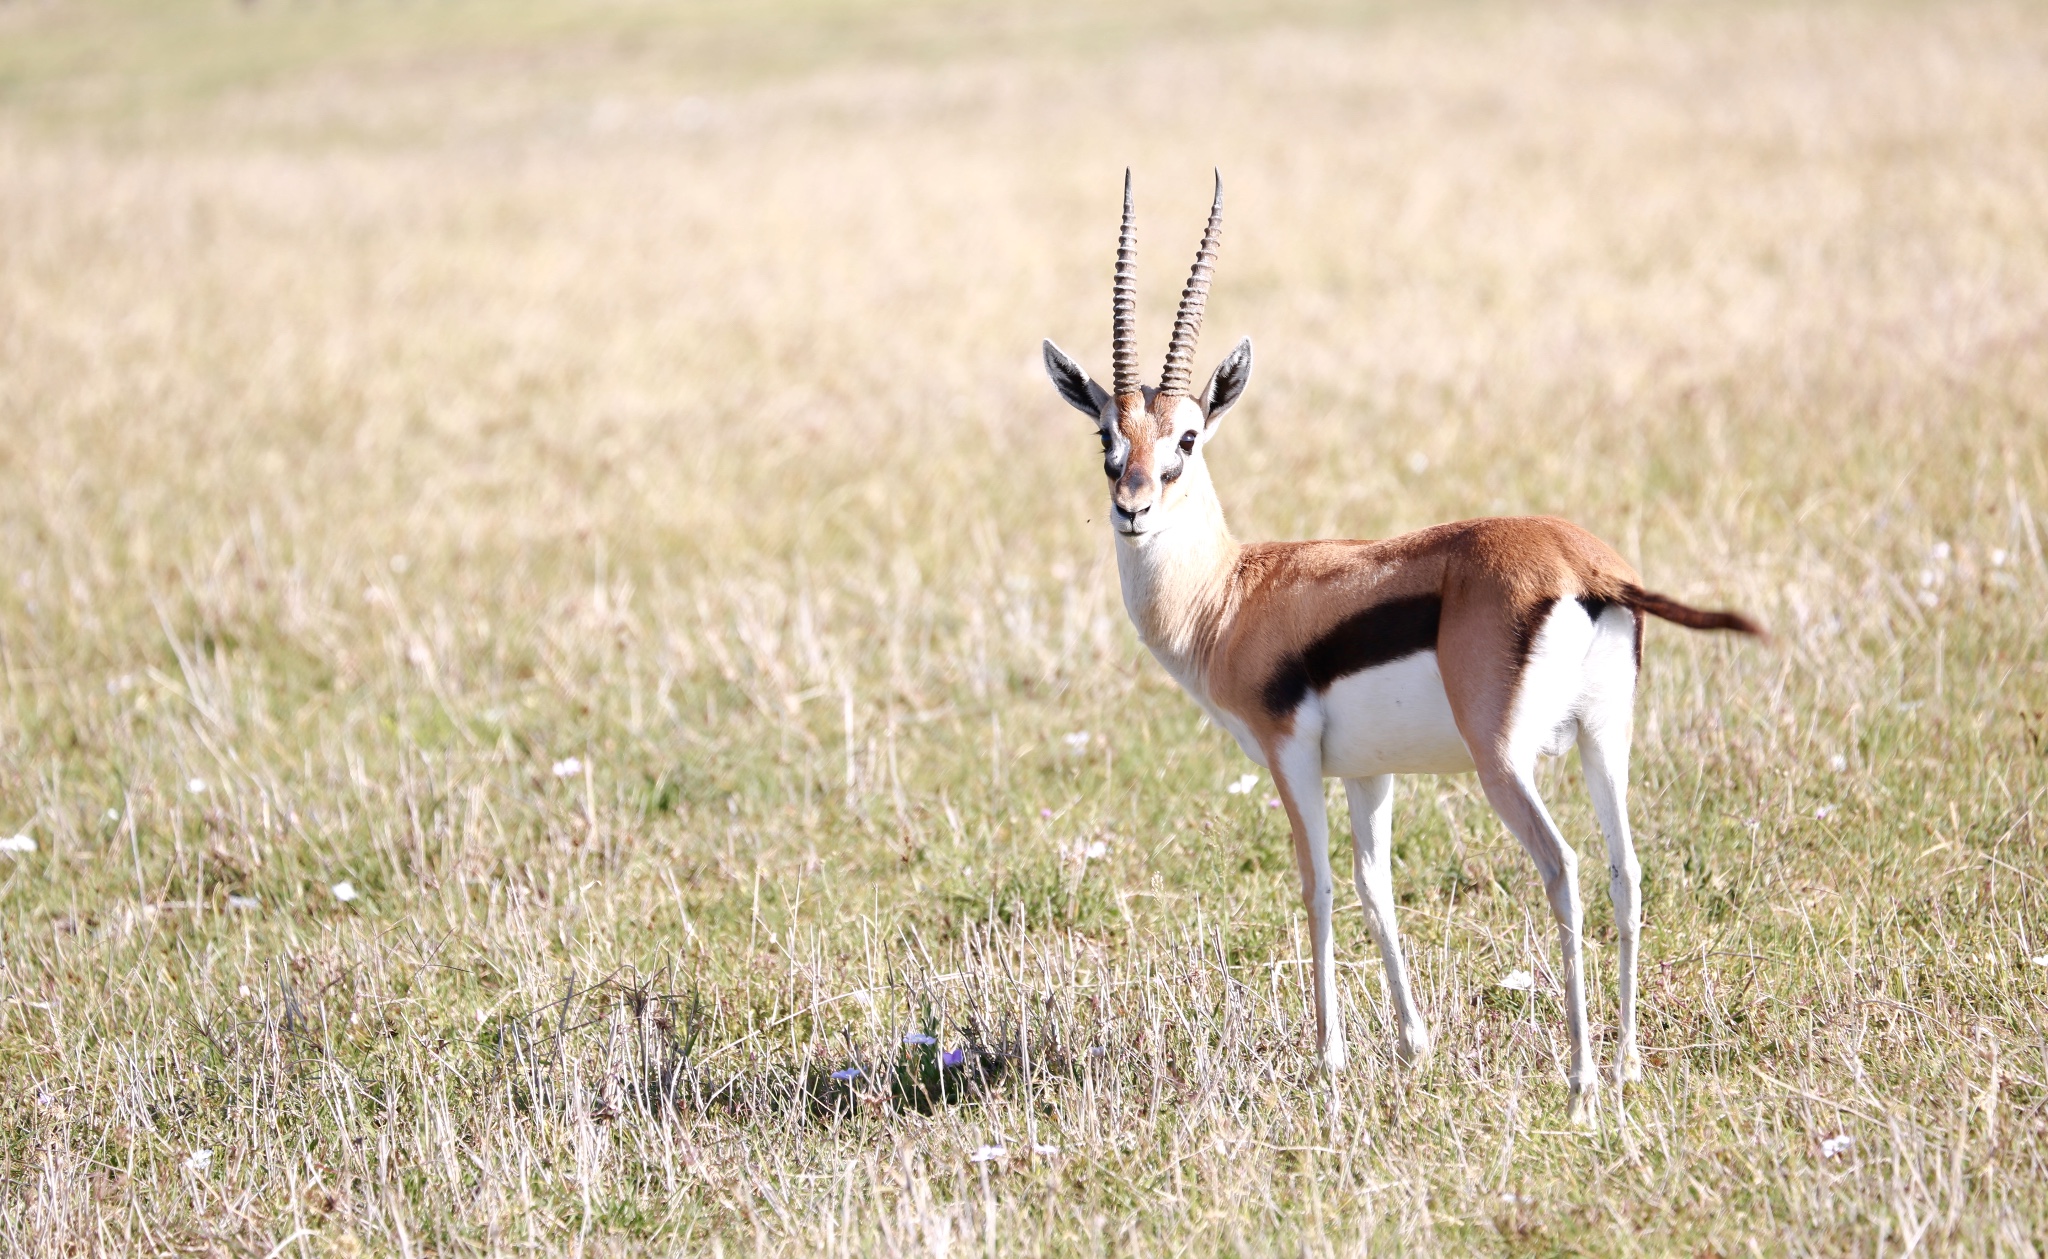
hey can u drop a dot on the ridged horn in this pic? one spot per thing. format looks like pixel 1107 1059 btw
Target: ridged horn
pixel 1123 339
pixel 1177 379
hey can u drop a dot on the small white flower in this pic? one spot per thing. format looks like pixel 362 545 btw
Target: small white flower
pixel 1999 557
pixel 344 891
pixel 1939 551
pixel 1418 463
pixel 1096 850
pixel 1928 577
pixel 1518 981
pixel 1824 812
pixel 1076 741
pixel 17 843
pixel 1243 785
pixel 1516 1199
pixel 246 903
pixel 198 1160
pixel 1045 1151
pixel 2042 960
pixel 1838 762
pixel 399 564
pixel 1836 1146
pixel 197 786
pixel 988 1154
pixel 567 767
pixel 1929 599
pixel 113 815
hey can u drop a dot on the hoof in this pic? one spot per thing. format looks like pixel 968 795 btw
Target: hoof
pixel 1630 1069
pixel 1584 1100
pixel 1413 1049
pixel 1332 1061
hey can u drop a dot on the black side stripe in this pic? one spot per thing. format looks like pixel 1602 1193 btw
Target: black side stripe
pixel 1378 635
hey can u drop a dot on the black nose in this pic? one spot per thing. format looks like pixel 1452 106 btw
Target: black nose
pixel 1132 516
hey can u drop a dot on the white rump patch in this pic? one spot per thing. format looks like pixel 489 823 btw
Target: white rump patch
pixel 1577 668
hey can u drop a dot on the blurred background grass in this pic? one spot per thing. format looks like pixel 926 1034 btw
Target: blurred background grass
pixel 581 475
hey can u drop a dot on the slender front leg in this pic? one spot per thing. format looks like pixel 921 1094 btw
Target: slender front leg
pixel 1513 796
pixel 1603 752
pixel 1372 870
pixel 1297 763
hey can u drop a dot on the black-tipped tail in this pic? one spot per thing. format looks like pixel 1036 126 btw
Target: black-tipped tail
pixel 1669 609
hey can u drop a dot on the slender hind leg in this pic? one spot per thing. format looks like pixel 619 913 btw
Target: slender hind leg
pixel 1539 651
pixel 1297 764
pixel 1372 832
pixel 1603 750
pixel 1512 791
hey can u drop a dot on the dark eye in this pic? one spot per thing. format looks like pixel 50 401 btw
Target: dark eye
pixel 1187 443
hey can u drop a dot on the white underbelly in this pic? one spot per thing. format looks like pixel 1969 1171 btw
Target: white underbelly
pixel 1392 719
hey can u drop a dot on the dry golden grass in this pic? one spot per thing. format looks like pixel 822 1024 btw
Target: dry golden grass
pixel 397 401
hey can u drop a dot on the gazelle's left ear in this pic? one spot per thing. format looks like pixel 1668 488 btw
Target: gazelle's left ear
pixel 1227 384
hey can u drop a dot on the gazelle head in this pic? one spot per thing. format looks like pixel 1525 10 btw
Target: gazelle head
pixel 1152 439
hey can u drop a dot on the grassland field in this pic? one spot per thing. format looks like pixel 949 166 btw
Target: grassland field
pixel 564 674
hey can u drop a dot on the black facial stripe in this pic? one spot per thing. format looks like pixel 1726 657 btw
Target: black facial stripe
pixel 1378 635
pixel 1116 452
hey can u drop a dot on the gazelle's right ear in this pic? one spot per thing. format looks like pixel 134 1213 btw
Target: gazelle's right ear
pixel 1081 393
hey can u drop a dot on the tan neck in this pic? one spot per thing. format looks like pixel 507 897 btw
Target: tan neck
pixel 1177 582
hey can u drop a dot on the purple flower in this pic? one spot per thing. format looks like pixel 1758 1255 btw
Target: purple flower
pixel 848 1073
pixel 919 1038
pixel 953 1058
pixel 1045 813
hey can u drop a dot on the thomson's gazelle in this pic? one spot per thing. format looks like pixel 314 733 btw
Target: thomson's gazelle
pixel 1476 646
